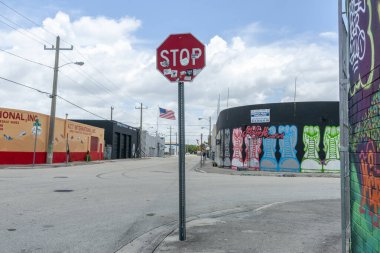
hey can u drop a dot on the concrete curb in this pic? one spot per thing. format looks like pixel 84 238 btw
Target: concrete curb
pixel 59 165
pixel 208 168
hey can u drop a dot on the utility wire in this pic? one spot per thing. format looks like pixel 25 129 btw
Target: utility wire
pixel 23 33
pixel 44 92
pixel 39 41
pixel 24 85
pixel 71 103
pixel 18 56
pixel 25 17
pixel 19 26
pixel 80 71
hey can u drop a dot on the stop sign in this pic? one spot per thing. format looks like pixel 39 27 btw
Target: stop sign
pixel 181 57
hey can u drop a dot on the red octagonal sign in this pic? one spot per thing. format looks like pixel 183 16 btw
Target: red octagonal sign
pixel 181 57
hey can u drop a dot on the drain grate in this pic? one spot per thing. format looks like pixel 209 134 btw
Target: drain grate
pixel 64 190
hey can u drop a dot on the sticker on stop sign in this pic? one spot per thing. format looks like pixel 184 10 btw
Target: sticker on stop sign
pixel 181 57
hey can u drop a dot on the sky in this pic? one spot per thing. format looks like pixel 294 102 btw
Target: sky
pixel 255 52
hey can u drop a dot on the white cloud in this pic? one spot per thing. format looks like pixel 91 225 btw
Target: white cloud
pixel 253 73
pixel 329 35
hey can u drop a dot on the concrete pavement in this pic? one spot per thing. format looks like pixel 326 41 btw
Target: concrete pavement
pixel 283 227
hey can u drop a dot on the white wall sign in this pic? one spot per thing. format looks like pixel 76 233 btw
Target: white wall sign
pixel 260 116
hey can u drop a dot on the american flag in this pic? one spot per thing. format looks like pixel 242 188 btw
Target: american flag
pixel 166 114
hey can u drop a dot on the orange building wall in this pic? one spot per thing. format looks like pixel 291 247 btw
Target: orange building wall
pixel 17 138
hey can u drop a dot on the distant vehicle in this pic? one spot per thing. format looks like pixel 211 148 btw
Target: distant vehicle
pixel 187 153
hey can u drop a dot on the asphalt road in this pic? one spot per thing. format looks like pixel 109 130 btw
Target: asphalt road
pixel 102 207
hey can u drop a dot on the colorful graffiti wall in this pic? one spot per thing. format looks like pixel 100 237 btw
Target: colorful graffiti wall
pixel 274 148
pixel 364 118
pixel 18 136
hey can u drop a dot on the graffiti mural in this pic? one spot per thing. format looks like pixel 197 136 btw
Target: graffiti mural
pixel 252 141
pixel 268 161
pixel 227 154
pixel 288 160
pixel 331 143
pixel 237 142
pixel 311 138
pixel 364 111
pixel 255 148
pixel 370 178
pixel 362 45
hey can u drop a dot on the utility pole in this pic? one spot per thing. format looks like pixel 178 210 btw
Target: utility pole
pixel 170 142
pixel 140 138
pixel 176 143
pixel 295 94
pixel 49 158
pixel 112 111
pixel 209 136
pixel 218 107
pixel 201 149
pixel 228 96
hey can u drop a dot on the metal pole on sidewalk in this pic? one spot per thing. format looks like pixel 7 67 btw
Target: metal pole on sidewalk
pixel 344 127
pixel 201 150
pixel 36 125
pixel 181 131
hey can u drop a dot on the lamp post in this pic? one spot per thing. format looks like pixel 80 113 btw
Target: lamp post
pixel 170 141
pixel 209 129
pixel 50 152
pixel 209 133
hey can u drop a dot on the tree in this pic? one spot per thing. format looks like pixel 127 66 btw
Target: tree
pixel 192 148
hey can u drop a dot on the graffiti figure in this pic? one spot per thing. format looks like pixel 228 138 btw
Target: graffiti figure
pixel 237 141
pixel 370 183
pixel 227 154
pixel 362 44
pixel 253 148
pixel 288 160
pixel 357 34
pixel 310 160
pixel 331 142
pixel 268 161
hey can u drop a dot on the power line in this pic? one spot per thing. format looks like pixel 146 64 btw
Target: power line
pixel 97 83
pixel 23 33
pixel 80 71
pixel 24 85
pixel 44 92
pixel 19 26
pixel 25 17
pixel 71 103
pixel 18 56
pixel 83 87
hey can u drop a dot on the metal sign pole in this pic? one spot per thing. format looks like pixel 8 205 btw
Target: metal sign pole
pixel 36 125
pixel 35 145
pixel 181 130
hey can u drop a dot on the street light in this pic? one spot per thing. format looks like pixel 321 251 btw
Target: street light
pixel 170 141
pixel 49 158
pixel 80 63
pixel 209 131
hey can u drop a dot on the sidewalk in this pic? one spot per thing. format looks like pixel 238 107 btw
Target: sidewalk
pixel 57 165
pixel 280 227
pixel 208 168
pixel 54 165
